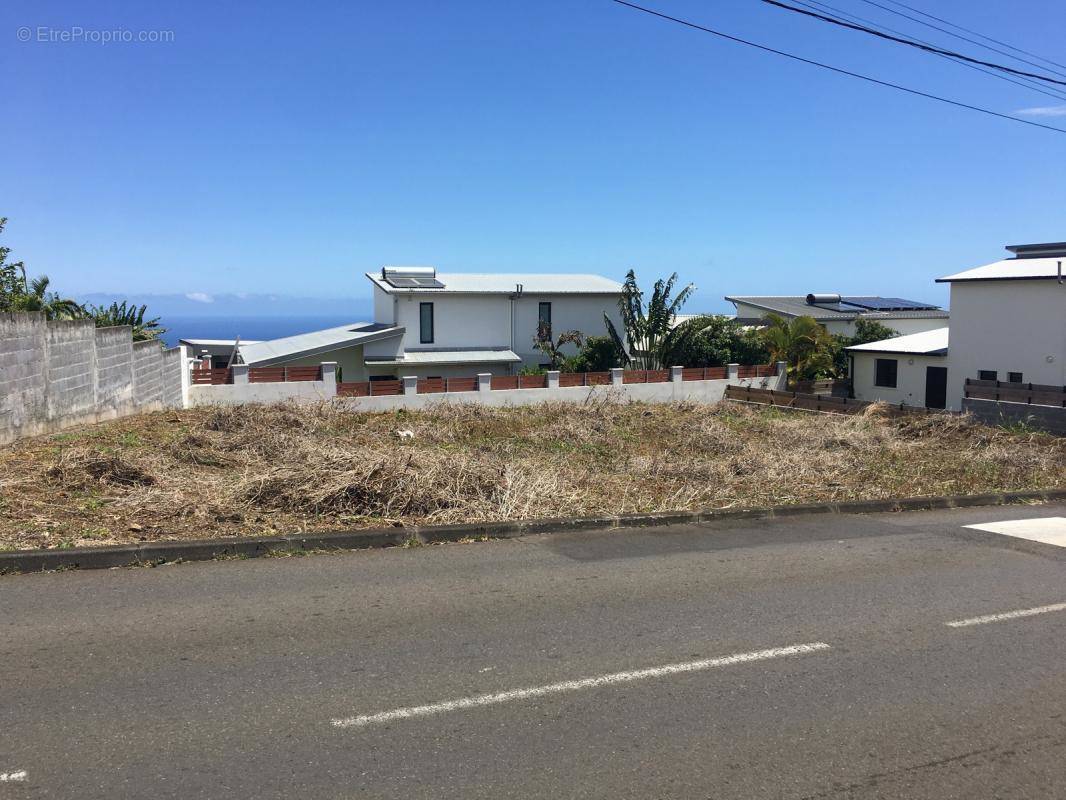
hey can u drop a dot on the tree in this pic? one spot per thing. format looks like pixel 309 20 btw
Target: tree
pixel 18 293
pixel 123 314
pixel 649 330
pixel 713 341
pixel 553 349
pixel 866 330
pixel 597 354
pixel 802 343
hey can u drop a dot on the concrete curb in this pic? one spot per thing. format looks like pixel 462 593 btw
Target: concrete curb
pixel 154 553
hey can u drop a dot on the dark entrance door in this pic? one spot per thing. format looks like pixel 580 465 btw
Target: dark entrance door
pixel 936 387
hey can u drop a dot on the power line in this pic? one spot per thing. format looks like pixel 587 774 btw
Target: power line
pixel 964 38
pixel 838 70
pixel 911 42
pixel 975 33
pixel 1025 83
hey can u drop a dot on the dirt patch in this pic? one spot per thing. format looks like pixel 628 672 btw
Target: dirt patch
pixel 269 469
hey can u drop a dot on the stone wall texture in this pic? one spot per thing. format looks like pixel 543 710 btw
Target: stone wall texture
pixel 62 373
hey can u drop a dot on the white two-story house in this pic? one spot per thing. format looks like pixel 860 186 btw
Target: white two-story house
pixel 431 324
pixel 1008 323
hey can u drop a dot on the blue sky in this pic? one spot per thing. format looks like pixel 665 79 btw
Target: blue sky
pixel 288 148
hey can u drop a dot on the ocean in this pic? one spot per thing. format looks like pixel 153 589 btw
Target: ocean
pixel 257 328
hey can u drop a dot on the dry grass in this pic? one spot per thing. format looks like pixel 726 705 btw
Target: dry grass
pixel 251 470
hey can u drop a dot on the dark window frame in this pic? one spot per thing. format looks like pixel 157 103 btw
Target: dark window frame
pixel 881 379
pixel 542 323
pixel 987 375
pixel 422 337
pixel 1015 377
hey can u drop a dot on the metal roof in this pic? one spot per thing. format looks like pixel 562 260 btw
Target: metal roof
pixel 310 344
pixel 1009 269
pixel 507 283
pixel 797 306
pixel 444 357
pixel 926 343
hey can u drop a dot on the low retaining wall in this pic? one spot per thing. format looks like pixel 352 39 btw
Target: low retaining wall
pixel 61 373
pixel 676 389
pixel 1047 418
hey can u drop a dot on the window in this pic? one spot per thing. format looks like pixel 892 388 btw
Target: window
pixel 987 375
pixel 1014 377
pixel 425 323
pixel 885 372
pixel 544 319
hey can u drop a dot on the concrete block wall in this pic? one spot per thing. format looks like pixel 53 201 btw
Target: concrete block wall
pixel 71 364
pixel 1046 418
pixel 62 373
pixel 148 374
pixel 114 369
pixel 22 377
pixel 173 367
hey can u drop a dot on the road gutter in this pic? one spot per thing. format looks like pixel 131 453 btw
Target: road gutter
pixel 164 552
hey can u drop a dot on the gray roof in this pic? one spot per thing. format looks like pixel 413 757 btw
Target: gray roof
pixel 926 343
pixel 438 358
pixel 302 345
pixel 1009 269
pixel 505 283
pixel 797 306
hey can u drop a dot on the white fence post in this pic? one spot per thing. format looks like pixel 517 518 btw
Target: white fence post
pixel 733 372
pixel 484 381
pixel 329 379
pixel 410 384
pixel 616 376
pixel 239 373
pixel 553 378
pixel 676 374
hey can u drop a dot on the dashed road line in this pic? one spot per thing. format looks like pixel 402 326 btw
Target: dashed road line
pixel 1025 612
pixel 609 679
pixel 13 777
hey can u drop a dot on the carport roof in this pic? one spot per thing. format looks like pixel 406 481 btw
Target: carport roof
pixel 314 343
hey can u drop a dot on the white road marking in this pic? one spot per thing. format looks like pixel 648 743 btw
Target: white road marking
pixel 572 686
pixel 1049 530
pixel 8 777
pixel 1025 612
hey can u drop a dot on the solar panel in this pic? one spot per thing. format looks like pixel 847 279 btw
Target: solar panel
pixel 887 304
pixel 401 282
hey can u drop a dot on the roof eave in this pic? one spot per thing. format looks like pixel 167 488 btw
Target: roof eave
pixel 314 351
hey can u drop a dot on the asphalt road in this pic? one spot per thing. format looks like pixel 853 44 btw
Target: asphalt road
pixel 796 658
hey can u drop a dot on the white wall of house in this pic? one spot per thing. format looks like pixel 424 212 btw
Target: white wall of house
pixel 459 320
pixel 1008 326
pixel 903 326
pixel 485 321
pixel 900 326
pixel 442 371
pixel 910 379
pixel 383 306
pixel 582 313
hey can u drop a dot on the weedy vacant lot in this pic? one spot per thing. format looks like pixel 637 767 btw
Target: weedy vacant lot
pixel 253 470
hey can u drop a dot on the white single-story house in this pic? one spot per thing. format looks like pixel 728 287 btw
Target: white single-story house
pixel 431 324
pixel 1008 323
pixel 839 313
pixel 907 369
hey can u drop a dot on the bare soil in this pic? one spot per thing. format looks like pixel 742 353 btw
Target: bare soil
pixel 206 473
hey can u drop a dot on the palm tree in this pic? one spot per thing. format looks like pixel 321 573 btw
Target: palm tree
pixel 123 314
pixel 802 343
pixel 650 329
pixel 34 296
